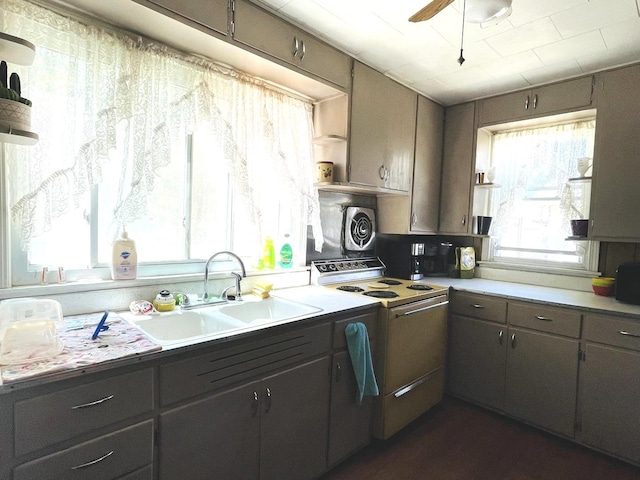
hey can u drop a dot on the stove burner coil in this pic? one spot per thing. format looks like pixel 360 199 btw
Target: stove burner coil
pixel 387 281
pixel 381 294
pixel 350 288
pixel 359 229
pixel 419 286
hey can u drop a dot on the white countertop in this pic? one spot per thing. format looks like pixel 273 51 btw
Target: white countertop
pixel 554 296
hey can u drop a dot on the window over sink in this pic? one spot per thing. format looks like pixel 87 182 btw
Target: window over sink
pixel 191 156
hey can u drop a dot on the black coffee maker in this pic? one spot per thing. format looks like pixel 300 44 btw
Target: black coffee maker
pixel 417 261
pixel 443 259
pixel 430 262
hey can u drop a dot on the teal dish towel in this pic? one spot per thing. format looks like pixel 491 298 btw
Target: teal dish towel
pixel 360 353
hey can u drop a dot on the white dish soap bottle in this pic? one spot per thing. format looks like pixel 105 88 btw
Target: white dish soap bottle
pixel 124 262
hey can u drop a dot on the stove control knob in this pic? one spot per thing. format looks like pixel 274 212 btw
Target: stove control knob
pixel 332 267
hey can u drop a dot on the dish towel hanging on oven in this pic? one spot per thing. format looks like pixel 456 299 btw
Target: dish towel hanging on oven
pixel 360 353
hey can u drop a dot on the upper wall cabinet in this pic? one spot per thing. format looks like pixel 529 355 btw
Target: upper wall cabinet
pixel 615 195
pixel 547 100
pixel 383 125
pixel 425 200
pixel 269 34
pixel 458 162
pixel 212 14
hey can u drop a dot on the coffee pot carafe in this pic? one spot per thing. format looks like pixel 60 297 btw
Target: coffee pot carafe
pixel 417 260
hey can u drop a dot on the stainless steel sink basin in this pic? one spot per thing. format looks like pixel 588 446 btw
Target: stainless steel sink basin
pixel 268 310
pixel 181 326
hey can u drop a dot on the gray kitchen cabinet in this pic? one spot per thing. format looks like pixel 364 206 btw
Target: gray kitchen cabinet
pixel 275 428
pixel 349 423
pixel 211 14
pixel 478 348
pixel 615 195
pixel 267 33
pixel 382 134
pixel 546 100
pixel 527 368
pixel 458 163
pixel 608 409
pixel 427 169
pixel 92 429
pixel 542 365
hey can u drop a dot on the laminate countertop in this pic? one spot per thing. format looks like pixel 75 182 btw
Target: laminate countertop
pixel 549 295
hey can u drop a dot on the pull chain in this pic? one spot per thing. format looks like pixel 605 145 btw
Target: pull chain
pixel 464 11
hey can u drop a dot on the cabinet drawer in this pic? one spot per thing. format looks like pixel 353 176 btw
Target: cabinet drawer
pixel 560 321
pixel 479 306
pixel 105 458
pixel 49 419
pixel 612 331
pixel 369 319
pixel 243 360
pixel 145 473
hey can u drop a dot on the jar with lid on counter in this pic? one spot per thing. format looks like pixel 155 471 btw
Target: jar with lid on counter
pixel 164 301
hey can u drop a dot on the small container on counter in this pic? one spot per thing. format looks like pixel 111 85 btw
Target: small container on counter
pixel 164 301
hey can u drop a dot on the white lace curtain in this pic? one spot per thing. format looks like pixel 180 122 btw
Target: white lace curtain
pixel 93 82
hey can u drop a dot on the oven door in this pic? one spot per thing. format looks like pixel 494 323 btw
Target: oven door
pixel 414 350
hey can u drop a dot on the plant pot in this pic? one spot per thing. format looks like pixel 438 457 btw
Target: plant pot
pixel 579 228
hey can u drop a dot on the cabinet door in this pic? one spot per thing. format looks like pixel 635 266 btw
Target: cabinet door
pixel 615 194
pixel 383 124
pixel 350 423
pixel 477 360
pixel 425 200
pixel 503 108
pixel 542 379
pixel 457 169
pixel 271 35
pixel 210 13
pixel 218 437
pixel 609 407
pixel 562 97
pixel 295 415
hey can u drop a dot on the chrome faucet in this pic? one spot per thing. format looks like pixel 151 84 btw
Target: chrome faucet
pixel 205 295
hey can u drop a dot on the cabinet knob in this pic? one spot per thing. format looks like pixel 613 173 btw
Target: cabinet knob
pixel 304 50
pixel 296 46
pixel 535 101
pixel 513 340
pixel 382 172
pixel 501 337
pixel 338 372
pixel 414 218
pixel 526 103
pixel 464 220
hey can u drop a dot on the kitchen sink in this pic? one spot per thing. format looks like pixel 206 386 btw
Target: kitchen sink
pixel 180 326
pixel 268 310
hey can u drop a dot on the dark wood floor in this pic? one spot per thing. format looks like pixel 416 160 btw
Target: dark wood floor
pixel 459 441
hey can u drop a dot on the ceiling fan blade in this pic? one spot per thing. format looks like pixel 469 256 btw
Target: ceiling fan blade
pixel 430 10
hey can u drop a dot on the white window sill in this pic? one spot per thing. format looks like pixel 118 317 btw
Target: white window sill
pixel 566 278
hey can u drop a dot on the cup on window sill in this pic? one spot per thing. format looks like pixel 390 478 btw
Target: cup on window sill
pixel 483 224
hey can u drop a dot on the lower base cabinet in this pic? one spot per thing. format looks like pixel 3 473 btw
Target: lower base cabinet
pixel 542 380
pixel 609 410
pixel 272 429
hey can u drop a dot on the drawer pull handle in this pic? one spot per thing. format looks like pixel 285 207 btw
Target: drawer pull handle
pixel 92 404
pixel 544 319
pixel 92 462
pixel 501 337
pixel 338 372
pixel 628 334
pixel 418 310
pixel 417 383
pixel 513 341
pixel 477 305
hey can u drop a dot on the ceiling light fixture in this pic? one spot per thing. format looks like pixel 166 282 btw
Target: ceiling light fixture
pixel 484 11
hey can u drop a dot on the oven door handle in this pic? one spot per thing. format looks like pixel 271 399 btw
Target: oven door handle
pixel 418 310
pixel 417 383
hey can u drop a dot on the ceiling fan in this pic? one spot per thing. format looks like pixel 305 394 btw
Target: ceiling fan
pixel 476 11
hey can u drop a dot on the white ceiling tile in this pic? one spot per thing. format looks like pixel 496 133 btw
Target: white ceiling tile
pixel 526 37
pixel 553 73
pixel 513 65
pixel 526 11
pixel 622 35
pixel 571 48
pixel 593 15
pixel 465 77
pixel 609 59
